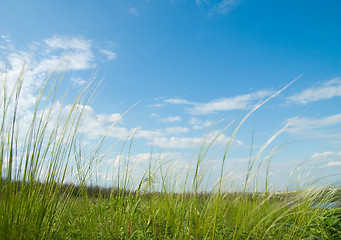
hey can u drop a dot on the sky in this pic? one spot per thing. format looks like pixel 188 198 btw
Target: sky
pixel 194 69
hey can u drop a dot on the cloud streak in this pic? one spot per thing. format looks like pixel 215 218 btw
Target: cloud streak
pixel 171 119
pixel 176 130
pixel 328 158
pixel 326 90
pixel 193 142
pixel 240 102
pixel 225 6
pixel 68 43
pixel 110 55
pixel 315 127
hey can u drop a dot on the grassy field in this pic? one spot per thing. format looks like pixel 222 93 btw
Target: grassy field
pixel 35 202
pixel 38 211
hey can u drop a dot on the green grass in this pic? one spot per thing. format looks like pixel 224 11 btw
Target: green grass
pixel 36 202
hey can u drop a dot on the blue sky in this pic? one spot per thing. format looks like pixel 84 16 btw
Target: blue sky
pixel 196 65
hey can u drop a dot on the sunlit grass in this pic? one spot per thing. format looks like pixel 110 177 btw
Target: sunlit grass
pixel 36 202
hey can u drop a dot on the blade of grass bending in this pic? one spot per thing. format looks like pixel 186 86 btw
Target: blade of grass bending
pixel 232 137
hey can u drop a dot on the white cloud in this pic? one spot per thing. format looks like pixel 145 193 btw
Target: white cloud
pixel 198 124
pixel 156 105
pixel 77 81
pixel 225 6
pixel 140 158
pixel 315 127
pixel 193 142
pixel 146 157
pixel 154 115
pixel 206 124
pixel 176 142
pixel 7 41
pixel 326 90
pixel 176 130
pixel 228 104
pixel 65 53
pixel 58 116
pixel 96 125
pixel 74 60
pixel 4 36
pixel 68 43
pixel 327 158
pixel 195 121
pixel 93 125
pixel 177 101
pixel 171 119
pixel 332 164
pixel 222 104
pixel 325 155
pixel 73 53
pixel 55 53
pixel 148 134
pixel 109 54
pixel 31 83
pixel 139 163
pixel 222 138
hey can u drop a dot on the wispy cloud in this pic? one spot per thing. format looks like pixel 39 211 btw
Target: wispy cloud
pixel 316 127
pixel 228 104
pixel 225 6
pixel 176 130
pixel 68 43
pixel 6 40
pixel 157 105
pixel 177 101
pixel 334 163
pixel 325 90
pixel 154 115
pixel 175 142
pixel 222 104
pixel 77 81
pixel 110 55
pixel 148 134
pixel 171 119
pixel 197 124
pixel 54 53
pixel 96 125
pixel 71 53
pixel 193 142
pixel 146 157
pixel 138 163
pixel 5 37
pixel 328 158
pixel 33 80
pixel 69 60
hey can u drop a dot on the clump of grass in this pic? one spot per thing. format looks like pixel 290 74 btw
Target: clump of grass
pixel 35 202
pixel 34 161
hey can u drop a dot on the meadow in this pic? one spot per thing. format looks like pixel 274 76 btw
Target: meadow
pixel 36 201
